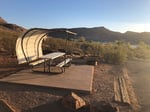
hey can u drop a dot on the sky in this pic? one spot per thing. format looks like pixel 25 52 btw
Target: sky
pixel 116 15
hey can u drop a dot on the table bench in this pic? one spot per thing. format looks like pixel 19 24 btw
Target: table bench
pixel 48 61
pixel 29 48
pixel 63 64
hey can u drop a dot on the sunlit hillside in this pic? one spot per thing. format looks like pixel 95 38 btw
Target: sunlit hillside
pixel 8 29
pixel 8 35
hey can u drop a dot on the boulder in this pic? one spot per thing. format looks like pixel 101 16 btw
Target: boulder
pixel 73 102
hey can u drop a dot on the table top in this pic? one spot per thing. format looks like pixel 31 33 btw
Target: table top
pixel 53 55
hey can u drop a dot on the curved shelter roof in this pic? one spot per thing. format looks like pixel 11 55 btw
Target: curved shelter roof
pixel 29 45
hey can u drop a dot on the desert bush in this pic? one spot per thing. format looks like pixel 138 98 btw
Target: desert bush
pixel 142 51
pixel 8 44
pixel 55 44
pixel 8 41
pixel 6 60
pixel 114 53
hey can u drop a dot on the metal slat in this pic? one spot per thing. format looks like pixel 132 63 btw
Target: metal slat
pixel 53 55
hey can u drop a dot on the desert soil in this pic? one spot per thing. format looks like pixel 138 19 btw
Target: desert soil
pixel 39 99
pixel 140 74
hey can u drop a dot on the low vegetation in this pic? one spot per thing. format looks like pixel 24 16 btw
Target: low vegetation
pixel 7 46
pixel 117 52
pixel 8 40
pixel 114 52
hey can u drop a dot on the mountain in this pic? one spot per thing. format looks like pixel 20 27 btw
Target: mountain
pixel 97 34
pixel 105 35
pixel 8 27
pixel 2 21
pixel 134 37
pixel 101 34
pixel 8 36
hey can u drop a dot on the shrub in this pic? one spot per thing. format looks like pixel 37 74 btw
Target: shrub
pixel 115 54
pixel 142 51
pixel 8 44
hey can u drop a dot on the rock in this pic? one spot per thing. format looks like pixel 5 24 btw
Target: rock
pixel 73 102
pixel 102 70
pixel 104 107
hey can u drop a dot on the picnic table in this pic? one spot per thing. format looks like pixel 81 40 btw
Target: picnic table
pixel 29 49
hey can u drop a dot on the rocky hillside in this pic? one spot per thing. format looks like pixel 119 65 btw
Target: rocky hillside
pixel 101 34
pixel 9 30
pixel 97 34
pixel 105 35
pixel 8 36
pixel 2 21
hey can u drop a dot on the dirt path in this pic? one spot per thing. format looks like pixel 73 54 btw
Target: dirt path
pixel 140 74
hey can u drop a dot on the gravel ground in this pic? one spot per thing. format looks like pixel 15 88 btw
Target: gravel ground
pixel 39 99
pixel 102 85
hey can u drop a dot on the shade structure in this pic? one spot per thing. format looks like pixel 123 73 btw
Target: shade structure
pixel 29 44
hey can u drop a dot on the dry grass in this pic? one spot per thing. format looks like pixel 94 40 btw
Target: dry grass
pixel 9 65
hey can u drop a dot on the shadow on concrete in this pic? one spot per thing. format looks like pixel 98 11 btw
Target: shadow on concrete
pixel 6 86
pixel 48 107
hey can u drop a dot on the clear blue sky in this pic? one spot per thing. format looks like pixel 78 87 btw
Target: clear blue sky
pixel 116 15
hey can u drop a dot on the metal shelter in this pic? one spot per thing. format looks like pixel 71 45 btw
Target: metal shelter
pixel 29 45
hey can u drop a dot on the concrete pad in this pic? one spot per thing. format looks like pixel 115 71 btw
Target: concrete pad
pixel 76 77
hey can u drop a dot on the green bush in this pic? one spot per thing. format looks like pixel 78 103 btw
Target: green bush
pixel 115 54
pixel 142 51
